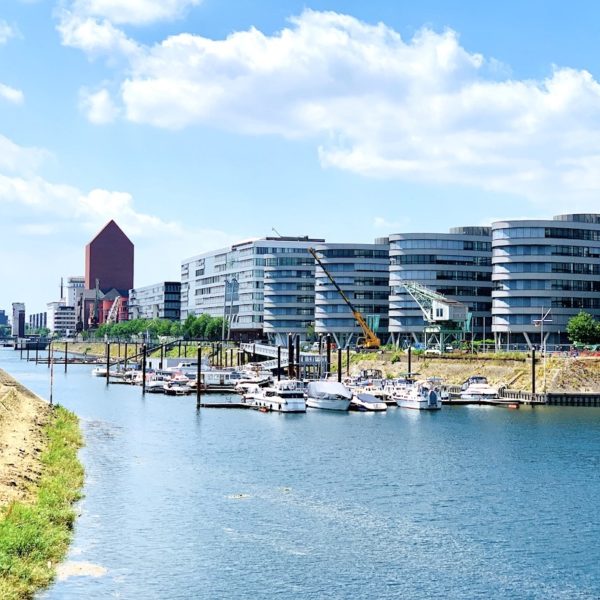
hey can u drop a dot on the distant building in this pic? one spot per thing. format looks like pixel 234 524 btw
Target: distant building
pixel 75 285
pixel 61 318
pixel 108 278
pixel 158 301
pixel 18 319
pixel 38 320
pixel 3 318
pixel 109 261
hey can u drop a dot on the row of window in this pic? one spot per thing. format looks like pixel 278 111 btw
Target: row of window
pixel 353 253
pixel 567 302
pixel 469 245
pixel 565 233
pixel 432 259
pixel 550 267
pixel 447 275
pixel 550 250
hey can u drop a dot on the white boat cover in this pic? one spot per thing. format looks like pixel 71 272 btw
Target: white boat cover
pixel 328 389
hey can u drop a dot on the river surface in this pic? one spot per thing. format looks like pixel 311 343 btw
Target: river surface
pixel 469 502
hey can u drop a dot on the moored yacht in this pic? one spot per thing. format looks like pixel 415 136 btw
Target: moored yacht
pixel 328 395
pixel 477 389
pixel 367 403
pixel 285 396
pixel 422 395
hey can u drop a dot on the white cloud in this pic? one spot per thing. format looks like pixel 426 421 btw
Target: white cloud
pixel 17 159
pixel 6 32
pixel 98 106
pixel 95 37
pixel 424 109
pixel 388 225
pixel 134 12
pixel 11 94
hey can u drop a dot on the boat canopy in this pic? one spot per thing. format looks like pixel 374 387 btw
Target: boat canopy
pixel 328 389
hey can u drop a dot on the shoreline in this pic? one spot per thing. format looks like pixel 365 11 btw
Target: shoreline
pixel 40 480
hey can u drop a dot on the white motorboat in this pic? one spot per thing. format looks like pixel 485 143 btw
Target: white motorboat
pixel 328 395
pixel 285 396
pixel 367 403
pixel 177 387
pixel 422 395
pixel 99 371
pixel 477 389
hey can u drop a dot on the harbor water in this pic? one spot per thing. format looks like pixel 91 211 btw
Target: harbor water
pixel 467 502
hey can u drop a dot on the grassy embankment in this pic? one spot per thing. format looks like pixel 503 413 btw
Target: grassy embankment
pixel 34 536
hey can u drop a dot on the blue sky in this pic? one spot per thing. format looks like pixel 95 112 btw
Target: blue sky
pixel 194 123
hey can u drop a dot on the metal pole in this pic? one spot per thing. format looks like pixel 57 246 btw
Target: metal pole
pixel 278 363
pixel 290 356
pixel 143 369
pixel 199 377
pixel 51 362
pixel 297 369
pixel 347 361
pixel 107 361
pixel 339 365
pixel 125 365
pixel 328 364
pixel 162 355
pixel 409 360
pixel 37 347
pixel 533 371
pixel 66 354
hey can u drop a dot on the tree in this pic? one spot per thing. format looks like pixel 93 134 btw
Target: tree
pixel 583 329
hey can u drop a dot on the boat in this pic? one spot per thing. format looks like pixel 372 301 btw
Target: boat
pixel 177 387
pixel 367 403
pixel 328 395
pixel 99 371
pixel 477 389
pixel 219 381
pixel 286 396
pixel 422 395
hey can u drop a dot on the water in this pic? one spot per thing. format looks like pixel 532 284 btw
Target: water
pixel 469 502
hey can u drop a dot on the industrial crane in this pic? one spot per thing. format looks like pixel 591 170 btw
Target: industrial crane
pixel 447 320
pixel 370 341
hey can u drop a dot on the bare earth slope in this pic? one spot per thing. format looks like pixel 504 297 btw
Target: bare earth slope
pixel 22 418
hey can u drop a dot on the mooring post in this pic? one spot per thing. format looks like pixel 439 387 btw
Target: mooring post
pixel 162 355
pixel 66 354
pixel 36 353
pixel 27 352
pixel 278 363
pixel 143 369
pixel 328 365
pixel 126 356
pixel 290 356
pixel 409 360
pixel 199 377
pixel 297 369
pixel 107 361
pixel 533 371
pixel 348 361
pixel 339 365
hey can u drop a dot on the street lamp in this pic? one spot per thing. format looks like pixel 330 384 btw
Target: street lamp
pixel 540 323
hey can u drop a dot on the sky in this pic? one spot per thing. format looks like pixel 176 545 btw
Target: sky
pixel 197 123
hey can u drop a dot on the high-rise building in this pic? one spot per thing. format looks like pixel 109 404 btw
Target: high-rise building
pixel 75 285
pixel 362 272
pixel 231 282
pixel 544 273
pixel 457 265
pixel 158 301
pixel 61 318
pixel 3 317
pixel 18 319
pixel 109 261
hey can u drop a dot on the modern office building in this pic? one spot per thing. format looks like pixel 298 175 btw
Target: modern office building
pixel 38 321
pixel 362 272
pixel 109 260
pixel 544 273
pixel 18 319
pixel 158 301
pixel 455 264
pixel 61 318
pixel 3 317
pixel 231 282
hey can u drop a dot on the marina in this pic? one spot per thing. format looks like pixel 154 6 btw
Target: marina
pixel 172 492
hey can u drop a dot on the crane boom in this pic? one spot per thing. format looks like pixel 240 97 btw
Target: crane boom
pixel 371 339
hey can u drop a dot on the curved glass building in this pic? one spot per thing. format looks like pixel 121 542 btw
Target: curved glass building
pixel 543 268
pixel 362 271
pixel 455 264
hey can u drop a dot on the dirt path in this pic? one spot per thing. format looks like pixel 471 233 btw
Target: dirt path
pixel 22 418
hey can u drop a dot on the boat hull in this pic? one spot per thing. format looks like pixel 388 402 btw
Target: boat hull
pixel 338 404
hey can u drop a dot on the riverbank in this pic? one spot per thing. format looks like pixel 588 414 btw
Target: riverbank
pixel 40 479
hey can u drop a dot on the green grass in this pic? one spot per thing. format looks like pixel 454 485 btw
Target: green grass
pixel 35 537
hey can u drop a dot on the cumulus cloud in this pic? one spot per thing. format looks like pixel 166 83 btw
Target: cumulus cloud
pixel 11 94
pixel 6 32
pixel 98 106
pixel 134 12
pixel 423 109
